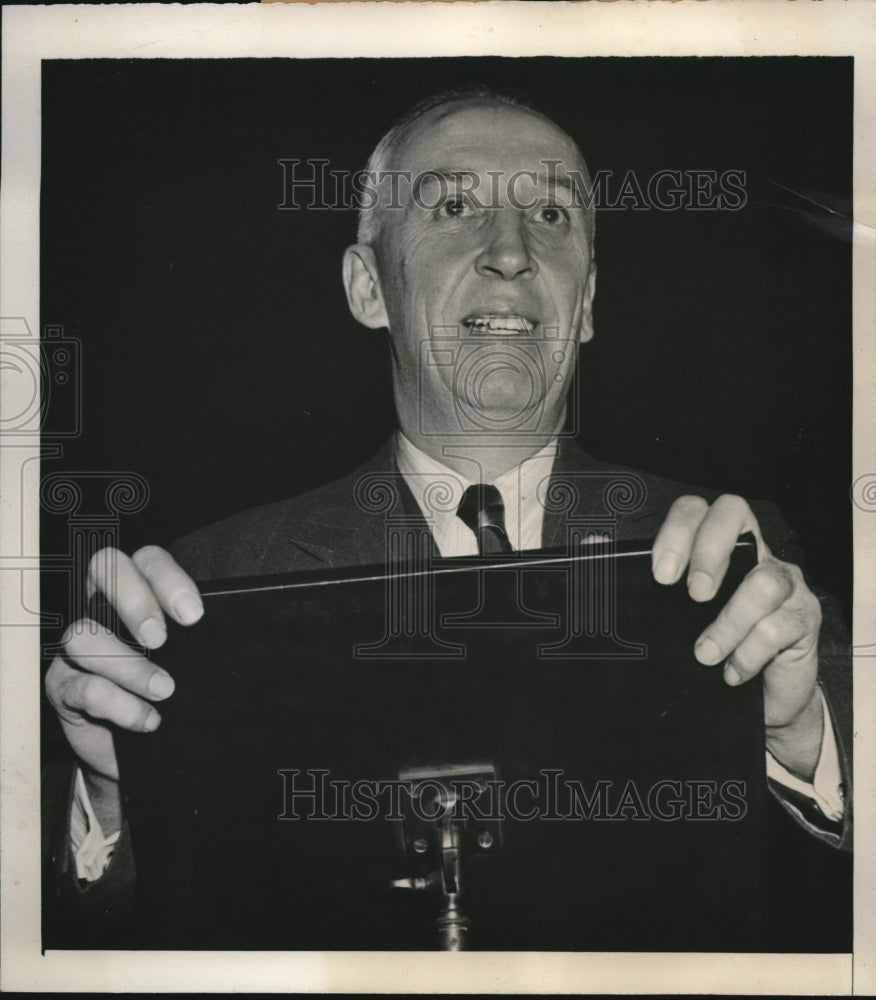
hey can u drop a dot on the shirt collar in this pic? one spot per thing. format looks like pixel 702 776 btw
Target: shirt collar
pixel 438 491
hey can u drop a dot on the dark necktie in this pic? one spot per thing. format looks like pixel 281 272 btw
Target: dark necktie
pixel 483 511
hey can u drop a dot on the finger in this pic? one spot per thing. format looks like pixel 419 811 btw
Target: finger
pixel 674 541
pixel 98 651
pixel 763 591
pixel 92 742
pixel 90 697
pixel 114 574
pixel 727 518
pixel 173 587
pixel 770 636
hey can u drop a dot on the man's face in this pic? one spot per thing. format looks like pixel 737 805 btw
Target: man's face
pixel 485 273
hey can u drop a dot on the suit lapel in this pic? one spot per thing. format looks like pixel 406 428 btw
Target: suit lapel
pixel 341 526
pixel 365 531
pixel 640 523
pixel 372 529
pixel 570 459
pixel 349 526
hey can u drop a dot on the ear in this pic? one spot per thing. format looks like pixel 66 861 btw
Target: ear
pixel 586 332
pixel 362 285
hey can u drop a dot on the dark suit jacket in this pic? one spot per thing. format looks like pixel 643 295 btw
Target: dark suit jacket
pixel 340 525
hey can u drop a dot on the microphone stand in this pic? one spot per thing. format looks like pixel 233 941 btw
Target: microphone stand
pixel 444 845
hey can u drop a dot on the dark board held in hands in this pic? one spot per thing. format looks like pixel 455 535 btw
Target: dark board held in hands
pixel 613 790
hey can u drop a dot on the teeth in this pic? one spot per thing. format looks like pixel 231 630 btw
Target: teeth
pixel 499 324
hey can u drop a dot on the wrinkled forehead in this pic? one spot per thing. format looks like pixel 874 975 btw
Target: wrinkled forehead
pixel 486 136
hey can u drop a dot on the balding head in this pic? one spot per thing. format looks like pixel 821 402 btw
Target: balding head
pixel 387 160
pixel 478 258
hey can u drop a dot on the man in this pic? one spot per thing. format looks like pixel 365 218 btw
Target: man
pixel 474 230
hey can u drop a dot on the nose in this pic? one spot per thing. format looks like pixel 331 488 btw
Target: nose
pixel 507 253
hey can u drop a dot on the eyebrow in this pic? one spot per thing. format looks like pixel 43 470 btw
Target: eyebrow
pixel 456 174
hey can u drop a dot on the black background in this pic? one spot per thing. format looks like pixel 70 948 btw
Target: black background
pixel 221 364
pixel 220 361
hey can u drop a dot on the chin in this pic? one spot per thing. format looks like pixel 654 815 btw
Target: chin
pixel 506 396
pixel 501 413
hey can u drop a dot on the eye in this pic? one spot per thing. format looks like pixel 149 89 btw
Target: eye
pixel 552 215
pixel 454 208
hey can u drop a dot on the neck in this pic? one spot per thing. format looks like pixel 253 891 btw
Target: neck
pixel 477 459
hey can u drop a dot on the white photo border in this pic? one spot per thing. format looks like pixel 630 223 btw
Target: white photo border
pixel 144 31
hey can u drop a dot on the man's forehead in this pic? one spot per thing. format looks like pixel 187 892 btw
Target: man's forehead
pixel 486 135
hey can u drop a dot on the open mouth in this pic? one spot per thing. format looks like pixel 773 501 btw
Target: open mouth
pixel 504 325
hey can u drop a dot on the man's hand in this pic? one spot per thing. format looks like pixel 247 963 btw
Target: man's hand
pixel 769 625
pixel 101 680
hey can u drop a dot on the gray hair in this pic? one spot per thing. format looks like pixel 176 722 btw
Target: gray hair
pixel 380 160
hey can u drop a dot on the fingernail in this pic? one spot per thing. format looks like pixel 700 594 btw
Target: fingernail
pixel 188 609
pixel 731 677
pixel 150 723
pixel 152 633
pixel 707 651
pixel 666 570
pixel 161 684
pixel 700 586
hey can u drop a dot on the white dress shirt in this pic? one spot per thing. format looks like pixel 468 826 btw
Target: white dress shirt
pixel 524 521
pixel 524 512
